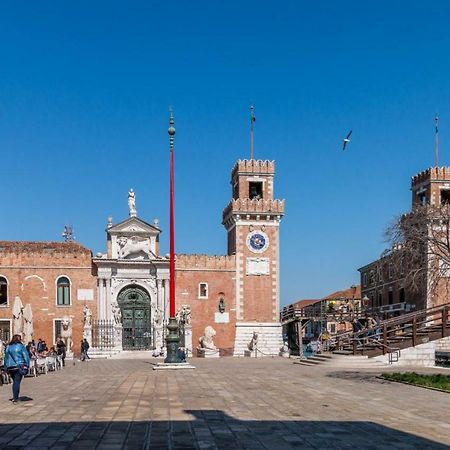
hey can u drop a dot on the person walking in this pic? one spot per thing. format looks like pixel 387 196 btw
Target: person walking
pixel 17 362
pixel 61 350
pixel 84 350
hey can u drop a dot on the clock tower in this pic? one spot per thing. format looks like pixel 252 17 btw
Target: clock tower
pixel 252 220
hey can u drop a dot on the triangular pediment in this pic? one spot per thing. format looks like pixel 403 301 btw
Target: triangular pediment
pixel 133 225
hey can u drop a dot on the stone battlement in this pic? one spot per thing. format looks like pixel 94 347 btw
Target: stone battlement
pixel 246 205
pixel 431 174
pixel 216 262
pixel 43 253
pixel 257 166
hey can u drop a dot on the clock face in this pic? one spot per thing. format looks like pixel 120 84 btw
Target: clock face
pixel 257 241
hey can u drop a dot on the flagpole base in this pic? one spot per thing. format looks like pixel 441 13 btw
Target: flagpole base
pixel 174 356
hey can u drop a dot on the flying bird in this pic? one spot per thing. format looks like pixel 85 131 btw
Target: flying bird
pixel 346 140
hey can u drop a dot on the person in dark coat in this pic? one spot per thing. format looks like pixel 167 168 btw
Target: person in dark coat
pixel 61 350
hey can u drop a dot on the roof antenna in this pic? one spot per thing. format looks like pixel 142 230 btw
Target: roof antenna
pixel 67 234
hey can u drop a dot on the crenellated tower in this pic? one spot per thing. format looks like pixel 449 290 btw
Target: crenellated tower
pixel 431 186
pixel 252 220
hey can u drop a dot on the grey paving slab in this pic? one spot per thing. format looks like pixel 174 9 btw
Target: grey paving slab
pixel 222 404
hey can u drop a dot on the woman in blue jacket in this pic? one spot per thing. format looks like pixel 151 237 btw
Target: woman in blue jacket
pixel 16 361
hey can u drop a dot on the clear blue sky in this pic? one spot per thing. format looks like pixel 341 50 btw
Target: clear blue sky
pixel 84 93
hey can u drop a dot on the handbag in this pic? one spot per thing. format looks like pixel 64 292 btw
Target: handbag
pixel 22 368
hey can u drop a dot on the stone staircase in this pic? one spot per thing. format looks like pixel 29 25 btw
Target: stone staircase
pixel 410 339
pixel 270 339
pixel 342 361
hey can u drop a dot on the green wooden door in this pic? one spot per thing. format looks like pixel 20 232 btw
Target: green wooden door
pixel 136 319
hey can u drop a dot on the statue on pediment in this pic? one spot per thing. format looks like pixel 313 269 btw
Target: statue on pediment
pixel 132 203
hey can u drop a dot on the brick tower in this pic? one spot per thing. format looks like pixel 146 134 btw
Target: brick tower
pixel 252 220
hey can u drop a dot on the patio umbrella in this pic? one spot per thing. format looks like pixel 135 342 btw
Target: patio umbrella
pixel 17 316
pixel 27 324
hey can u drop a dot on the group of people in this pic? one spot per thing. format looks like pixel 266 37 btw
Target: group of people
pixel 40 350
pixel 369 324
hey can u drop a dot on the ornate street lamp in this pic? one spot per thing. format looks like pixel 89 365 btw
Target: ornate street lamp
pixel 172 338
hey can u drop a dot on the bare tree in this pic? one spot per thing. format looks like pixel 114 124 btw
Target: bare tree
pixel 420 248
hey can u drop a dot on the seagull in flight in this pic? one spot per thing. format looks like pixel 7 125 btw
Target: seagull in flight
pixel 346 140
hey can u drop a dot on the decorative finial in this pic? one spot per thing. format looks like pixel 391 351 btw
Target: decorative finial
pixel 171 129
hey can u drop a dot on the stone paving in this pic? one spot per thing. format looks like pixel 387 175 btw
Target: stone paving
pixel 226 403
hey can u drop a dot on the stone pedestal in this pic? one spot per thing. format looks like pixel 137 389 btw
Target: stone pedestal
pixel 118 337
pixel 87 334
pixel 207 353
pixel 159 337
pixel 270 338
pixel 188 339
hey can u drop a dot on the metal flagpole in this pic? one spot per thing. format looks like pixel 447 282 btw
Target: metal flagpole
pixel 172 338
pixel 436 120
pixel 252 121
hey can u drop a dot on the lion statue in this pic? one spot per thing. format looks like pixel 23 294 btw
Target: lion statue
pixel 206 341
pixel 66 332
pixel 254 342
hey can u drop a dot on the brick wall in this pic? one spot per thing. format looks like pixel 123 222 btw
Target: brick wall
pixel 218 272
pixel 32 270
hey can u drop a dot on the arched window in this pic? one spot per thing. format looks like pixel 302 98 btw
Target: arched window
pixel 203 290
pixel 63 291
pixel 3 291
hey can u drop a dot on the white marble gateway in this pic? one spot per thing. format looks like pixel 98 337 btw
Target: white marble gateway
pixel 133 268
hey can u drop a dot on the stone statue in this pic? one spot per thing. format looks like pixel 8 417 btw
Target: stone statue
pixel 134 246
pixel 117 314
pixel 87 316
pixel 183 315
pixel 132 203
pixel 253 344
pixel 284 350
pixel 157 316
pixel 206 341
pixel 66 332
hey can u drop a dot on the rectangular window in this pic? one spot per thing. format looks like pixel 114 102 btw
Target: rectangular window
pixel 364 276
pixel 401 295
pixel 445 196
pixel 5 330
pixel 380 299
pixel 57 329
pixel 255 190
pixel 203 290
pixel 63 295
pixel 391 297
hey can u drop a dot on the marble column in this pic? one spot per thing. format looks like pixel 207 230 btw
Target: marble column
pixel 108 300
pixel 101 299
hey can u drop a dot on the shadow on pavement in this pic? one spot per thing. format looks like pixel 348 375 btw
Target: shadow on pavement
pixel 210 429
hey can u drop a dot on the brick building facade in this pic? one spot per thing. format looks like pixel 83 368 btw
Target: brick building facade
pixel 383 281
pixel 55 278
pixel 237 293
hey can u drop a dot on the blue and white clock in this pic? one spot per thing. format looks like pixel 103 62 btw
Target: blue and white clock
pixel 257 241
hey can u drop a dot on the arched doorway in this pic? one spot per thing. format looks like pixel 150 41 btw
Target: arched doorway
pixel 135 305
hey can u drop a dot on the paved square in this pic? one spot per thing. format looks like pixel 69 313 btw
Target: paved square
pixel 224 404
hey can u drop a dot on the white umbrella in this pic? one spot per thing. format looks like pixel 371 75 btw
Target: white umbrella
pixel 17 316
pixel 28 323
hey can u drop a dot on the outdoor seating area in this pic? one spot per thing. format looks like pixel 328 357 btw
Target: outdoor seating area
pixel 42 361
